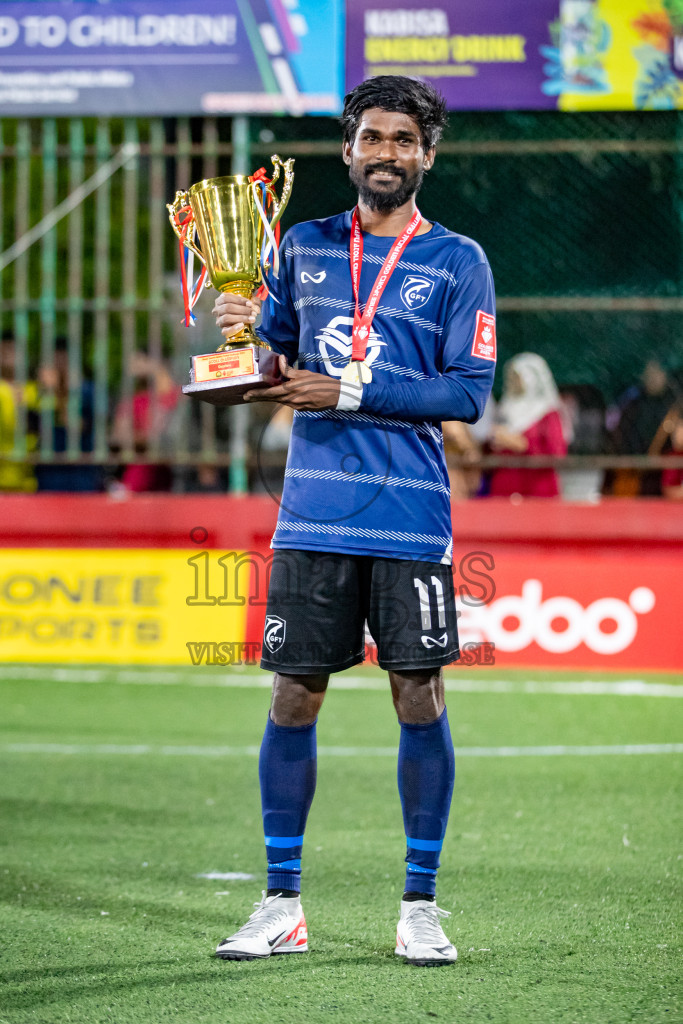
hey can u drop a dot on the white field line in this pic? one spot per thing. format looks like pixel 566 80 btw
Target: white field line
pixel 226 876
pixel 252 751
pixel 248 680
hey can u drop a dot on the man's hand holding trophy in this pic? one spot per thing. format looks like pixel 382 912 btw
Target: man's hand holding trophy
pixel 233 219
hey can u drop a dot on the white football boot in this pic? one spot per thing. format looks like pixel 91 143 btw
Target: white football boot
pixel 419 936
pixel 277 925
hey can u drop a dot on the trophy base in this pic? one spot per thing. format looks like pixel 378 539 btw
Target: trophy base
pixel 222 378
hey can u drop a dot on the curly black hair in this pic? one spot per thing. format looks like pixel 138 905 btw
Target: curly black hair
pixel 421 101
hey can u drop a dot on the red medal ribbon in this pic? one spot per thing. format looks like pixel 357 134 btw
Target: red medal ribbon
pixel 362 324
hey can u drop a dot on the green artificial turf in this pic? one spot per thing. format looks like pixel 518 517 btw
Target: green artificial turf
pixel 561 872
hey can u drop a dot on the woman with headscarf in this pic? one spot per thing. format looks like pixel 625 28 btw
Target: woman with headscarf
pixel 529 423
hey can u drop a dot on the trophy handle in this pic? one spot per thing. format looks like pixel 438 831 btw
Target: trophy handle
pixel 280 204
pixel 182 202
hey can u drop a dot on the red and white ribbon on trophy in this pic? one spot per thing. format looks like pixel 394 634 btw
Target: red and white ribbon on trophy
pixel 271 240
pixel 191 292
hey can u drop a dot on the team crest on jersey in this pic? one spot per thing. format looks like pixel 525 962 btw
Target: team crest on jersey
pixel 274 633
pixel 416 290
pixel 334 342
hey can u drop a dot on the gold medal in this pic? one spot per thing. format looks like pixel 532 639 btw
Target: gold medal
pixel 365 372
pixel 357 372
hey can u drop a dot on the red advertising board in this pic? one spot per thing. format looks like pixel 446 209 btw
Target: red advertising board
pixel 555 610
pixel 578 610
pixel 542 584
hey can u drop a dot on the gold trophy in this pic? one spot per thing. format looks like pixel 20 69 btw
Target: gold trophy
pixel 232 216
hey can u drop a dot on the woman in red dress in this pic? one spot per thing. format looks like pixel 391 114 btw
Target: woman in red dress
pixel 529 423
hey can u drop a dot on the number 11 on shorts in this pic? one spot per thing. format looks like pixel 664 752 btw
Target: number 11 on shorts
pixel 425 604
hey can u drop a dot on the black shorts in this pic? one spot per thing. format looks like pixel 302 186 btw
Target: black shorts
pixel 318 604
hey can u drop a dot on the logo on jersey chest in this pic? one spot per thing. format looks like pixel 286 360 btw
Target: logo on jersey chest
pixel 312 278
pixel 334 342
pixel 416 291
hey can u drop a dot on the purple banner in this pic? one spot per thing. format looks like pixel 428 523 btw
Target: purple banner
pixel 482 55
pixel 170 57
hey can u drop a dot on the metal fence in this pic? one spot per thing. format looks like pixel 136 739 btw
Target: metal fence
pixel 581 217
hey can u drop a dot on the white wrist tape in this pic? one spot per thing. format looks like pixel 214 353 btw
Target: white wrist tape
pixel 350 396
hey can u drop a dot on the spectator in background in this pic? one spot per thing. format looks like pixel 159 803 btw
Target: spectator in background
pixel 583 421
pixel 56 390
pixel 145 423
pixel 460 444
pixel 636 424
pixel 528 423
pixel 15 397
pixel 672 479
pixel 196 419
pixel 465 442
pixel 273 445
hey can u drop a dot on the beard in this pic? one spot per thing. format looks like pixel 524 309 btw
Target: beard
pixel 387 197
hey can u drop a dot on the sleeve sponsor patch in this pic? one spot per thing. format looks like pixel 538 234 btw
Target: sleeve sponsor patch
pixel 484 342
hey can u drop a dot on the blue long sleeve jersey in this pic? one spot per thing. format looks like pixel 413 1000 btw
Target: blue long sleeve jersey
pixel 374 481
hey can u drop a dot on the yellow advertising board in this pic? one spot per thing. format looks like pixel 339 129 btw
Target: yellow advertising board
pixel 127 606
pixel 621 54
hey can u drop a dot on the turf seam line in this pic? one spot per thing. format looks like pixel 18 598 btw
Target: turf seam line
pixel 236 678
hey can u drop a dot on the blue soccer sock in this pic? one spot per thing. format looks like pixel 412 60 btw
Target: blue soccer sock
pixel 287 773
pixel 426 770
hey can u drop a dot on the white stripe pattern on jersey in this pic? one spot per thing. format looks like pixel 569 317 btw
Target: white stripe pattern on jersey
pixel 420 268
pixel 426 429
pixel 315 357
pixel 402 371
pixel 314 250
pixel 343 254
pixel 394 314
pixel 367 478
pixel 321 300
pixel 361 533
pixel 379 364
pixel 404 314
